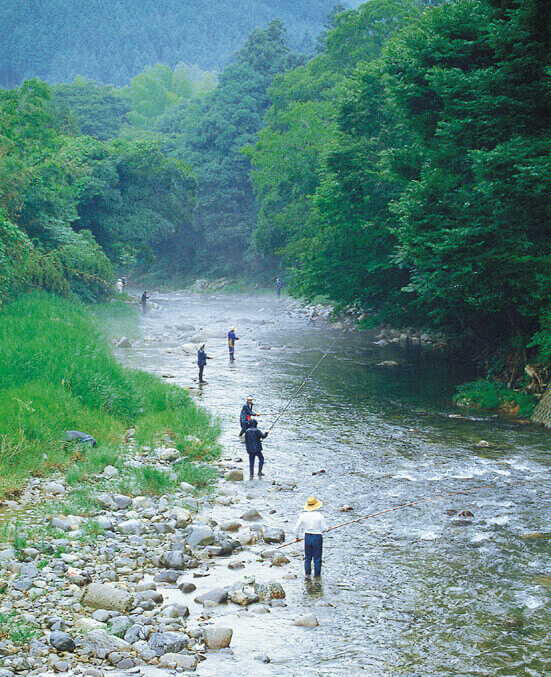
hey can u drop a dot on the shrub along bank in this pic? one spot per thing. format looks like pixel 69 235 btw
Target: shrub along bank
pixel 58 373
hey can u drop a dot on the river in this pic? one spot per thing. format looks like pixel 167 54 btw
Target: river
pixel 418 591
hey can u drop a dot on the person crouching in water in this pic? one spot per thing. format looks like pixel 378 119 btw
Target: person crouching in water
pixel 246 415
pixel 253 442
pixel 202 358
pixel 312 524
pixel 232 338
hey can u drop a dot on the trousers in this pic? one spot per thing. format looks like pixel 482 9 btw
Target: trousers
pixel 313 547
pixel 260 462
pixel 201 373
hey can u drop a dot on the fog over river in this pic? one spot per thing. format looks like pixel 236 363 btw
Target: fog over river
pixel 418 591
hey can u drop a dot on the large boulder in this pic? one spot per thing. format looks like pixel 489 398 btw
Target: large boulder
pixel 177 560
pixel 234 475
pixel 107 596
pixel 273 535
pixel 217 637
pixel 61 641
pixel 269 590
pixel 217 595
pixel 133 527
pixel 167 642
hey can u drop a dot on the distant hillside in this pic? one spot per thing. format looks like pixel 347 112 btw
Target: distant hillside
pixel 113 40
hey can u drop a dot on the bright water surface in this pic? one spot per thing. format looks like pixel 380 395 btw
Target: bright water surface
pixel 413 592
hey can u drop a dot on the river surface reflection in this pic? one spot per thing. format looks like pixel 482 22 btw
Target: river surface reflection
pixel 419 591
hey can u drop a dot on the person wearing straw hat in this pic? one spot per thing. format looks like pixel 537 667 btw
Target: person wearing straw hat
pixel 232 338
pixel 246 415
pixel 312 524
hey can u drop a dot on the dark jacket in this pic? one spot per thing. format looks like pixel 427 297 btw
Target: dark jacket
pixel 246 413
pixel 201 358
pixel 253 440
pixel 232 338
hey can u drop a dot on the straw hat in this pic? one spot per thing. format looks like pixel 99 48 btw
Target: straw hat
pixel 232 328
pixel 312 504
pixel 249 399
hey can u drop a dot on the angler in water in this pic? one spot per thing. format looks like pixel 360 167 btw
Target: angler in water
pixel 143 302
pixel 232 338
pixel 246 415
pixel 202 358
pixel 312 524
pixel 253 442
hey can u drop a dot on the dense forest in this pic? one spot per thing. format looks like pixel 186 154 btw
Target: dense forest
pixel 403 169
pixel 111 41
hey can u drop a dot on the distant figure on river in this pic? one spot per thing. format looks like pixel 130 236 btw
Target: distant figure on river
pixel 143 302
pixel 232 338
pixel 202 358
pixel 253 442
pixel 312 524
pixel 246 416
pixel 124 281
pixel 279 284
pixel 119 286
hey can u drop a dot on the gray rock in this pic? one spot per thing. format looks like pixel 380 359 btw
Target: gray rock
pixel 61 641
pixel 123 343
pixel 231 525
pixel 234 476
pixel 99 643
pixel 200 535
pixel 181 517
pixel 279 559
pixel 251 516
pixel 122 501
pixel 168 454
pixel 110 471
pixel 217 637
pixel 307 621
pixel 187 587
pixel 273 535
pixel 175 611
pixel 167 642
pixel 176 559
pixel 61 666
pixel 134 633
pixel 131 527
pixel 119 625
pixel 53 488
pixel 171 577
pixel 67 523
pixel 106 596
pixel 176 661
pixel 217 596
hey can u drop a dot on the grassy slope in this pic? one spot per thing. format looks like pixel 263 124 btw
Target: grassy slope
pixel 58 373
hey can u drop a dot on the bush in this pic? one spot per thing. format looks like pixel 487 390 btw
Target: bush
pixel 494 396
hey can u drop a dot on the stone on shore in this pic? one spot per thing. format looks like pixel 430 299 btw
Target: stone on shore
pixel 53 488
pixel 61 641
pixel 234 475
pixel 270 590
pixel 273 535
pixel 251 516
pixel 177 661
pixel 123 343
pixel 217 637
pixel 167 642
pixel 99 643
pixel 307 621
pixel 200 535
pixel 217 596
pixel 106 596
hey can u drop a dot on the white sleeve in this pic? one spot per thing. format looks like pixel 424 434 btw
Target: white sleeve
pixel 298 527
pixel 324 526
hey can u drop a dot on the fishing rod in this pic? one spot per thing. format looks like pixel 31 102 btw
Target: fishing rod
pixel 397 507
pixel 301 386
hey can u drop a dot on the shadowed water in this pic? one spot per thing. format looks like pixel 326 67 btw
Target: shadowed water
pixel 417 591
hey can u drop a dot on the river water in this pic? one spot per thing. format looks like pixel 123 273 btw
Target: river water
pixel 418 591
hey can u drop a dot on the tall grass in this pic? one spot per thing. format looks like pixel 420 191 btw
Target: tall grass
pixel 58 372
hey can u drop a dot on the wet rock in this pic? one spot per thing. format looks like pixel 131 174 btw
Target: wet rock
pixel 270 590
pixel 171 577
pixel 148 599
pixel 225 549
pixel 273 535
pixel 307 621
pixel 217 595
pixel 99 643
pixel 346 508
pixel 106 596
pixel 234 476
pixel 388 363
pixel 217 637
pixel 200 535
pixel 176 559
pixel 167 642
pixel 483 444
pixel 123 343
pixel 175 611
pixel 110 471
pixel 186 587
pixel 234 566
pixel 251 515
pixel 61 641
pixel 261 658
pixel 279 559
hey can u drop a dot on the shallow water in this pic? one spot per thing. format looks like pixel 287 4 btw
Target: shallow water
pixel 413 592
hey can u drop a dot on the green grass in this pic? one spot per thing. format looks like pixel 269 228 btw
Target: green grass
pixel 16 629
pixel 486 395
pixel 58 372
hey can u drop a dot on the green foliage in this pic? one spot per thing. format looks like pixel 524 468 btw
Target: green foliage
pixel 111 42
pixel 15 628
pixel 493 396
pixel 59 373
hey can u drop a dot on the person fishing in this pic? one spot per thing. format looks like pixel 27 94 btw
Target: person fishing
pixel 253 442
pixel 279 284
pixel 143 302
pixel 246 415
pixel 202 358
pixel 312 524
pixel 232 338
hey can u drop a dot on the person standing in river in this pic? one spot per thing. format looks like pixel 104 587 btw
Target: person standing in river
pixel 202 358
pixel 143 302
pixel 312 524
pixel 246 415
pixel 278 286
pixel 232 338
pixel 253 442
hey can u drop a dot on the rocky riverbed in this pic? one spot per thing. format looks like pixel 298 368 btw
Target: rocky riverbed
pixel 140 584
